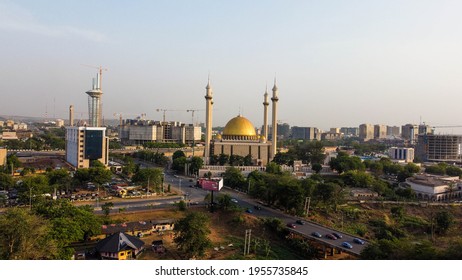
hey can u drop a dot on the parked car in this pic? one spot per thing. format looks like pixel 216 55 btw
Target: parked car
pixel 316 234
pixel 330 236
pixel 234 200
pixel 256 207
pixel 291 225
pixel 338 235
pixel 347 245
pixel 248 210
pixel 300 222
pixel 358 241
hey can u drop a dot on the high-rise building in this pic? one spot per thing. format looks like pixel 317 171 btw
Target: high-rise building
pixel 305 133
pixel 366 132
pixel 3 154
pixel 439 148
pixel 94 103
pixel 380 131
pixel 350 131
pixel 409 132
pixel 393 131
pixel 84 144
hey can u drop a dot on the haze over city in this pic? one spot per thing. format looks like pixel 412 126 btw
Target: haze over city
pixel 337 63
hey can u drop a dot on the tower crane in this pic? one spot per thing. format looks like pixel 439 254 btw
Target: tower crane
pixel 192 113
pixel 165 110
pixel 101 69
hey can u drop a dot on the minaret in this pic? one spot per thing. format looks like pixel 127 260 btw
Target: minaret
pixel 274 139
pixel 94 103
pixel 71 115
pixel 208 120
pixel 265 114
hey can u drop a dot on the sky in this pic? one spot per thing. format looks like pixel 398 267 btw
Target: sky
pixel 337 63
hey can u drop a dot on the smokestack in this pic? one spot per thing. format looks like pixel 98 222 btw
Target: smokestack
pixel 71 115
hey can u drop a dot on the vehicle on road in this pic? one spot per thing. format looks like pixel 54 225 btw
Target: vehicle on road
pixel 331 236
pixel 256 207
pixel 358 241
pixel 316 234
pixel 347 245
pixel 248 210
pixel 291 225
pixel 300 222
pixel 234 200
pixel 338 235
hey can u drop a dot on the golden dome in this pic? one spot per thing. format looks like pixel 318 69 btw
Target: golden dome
pixel 239 126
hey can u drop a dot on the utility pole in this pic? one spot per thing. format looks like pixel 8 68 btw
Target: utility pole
pixel 248 233
pixel 307 205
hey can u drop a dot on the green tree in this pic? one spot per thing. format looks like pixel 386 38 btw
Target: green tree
pixel 444 220
pixel 153 175
pixel 196 164
pixel 223 159
pixel 178 154
pixel 233 178
pixel 453 171
pixel 106 207
pixel 316 168
pixel 24 236
pixel 6 181
pixel 311 152
pixel 343 162
pixel 178 164
pixel 191 234
pixel 273 168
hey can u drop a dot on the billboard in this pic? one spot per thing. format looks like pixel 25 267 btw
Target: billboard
pixel 213 184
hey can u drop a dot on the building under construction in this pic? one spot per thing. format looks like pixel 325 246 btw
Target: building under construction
pixel 439 148
pixel 139 131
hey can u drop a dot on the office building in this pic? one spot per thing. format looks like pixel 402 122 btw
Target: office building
pixel 380 131
pixel 366 132
pixel 305 133
pixel 84 144
pixel 401 154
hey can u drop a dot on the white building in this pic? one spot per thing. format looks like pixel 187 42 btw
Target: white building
pixel 401 154
pixel 434 187
pixel 84 144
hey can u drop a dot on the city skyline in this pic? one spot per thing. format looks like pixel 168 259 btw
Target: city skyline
pixel 337 64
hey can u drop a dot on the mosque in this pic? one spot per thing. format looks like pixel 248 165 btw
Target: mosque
pixel 239 136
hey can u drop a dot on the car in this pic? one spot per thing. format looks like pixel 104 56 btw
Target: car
pixel 234 200
pixel 256 207
pixel 347 245
pixel 358 241
pixel 338 235
pixel 291 225
pixel 248 210
pixel 316 234
pixel 330 236
pixel 300 222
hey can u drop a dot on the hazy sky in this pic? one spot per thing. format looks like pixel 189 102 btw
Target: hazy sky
pixel 337 63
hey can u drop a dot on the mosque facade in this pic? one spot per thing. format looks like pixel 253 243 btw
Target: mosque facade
pixel 239 136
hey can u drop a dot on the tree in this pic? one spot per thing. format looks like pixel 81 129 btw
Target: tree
pixel 196 164
pixel 343 162
pixel 152 175
pixel 444 220
pixel 6 181
pixel 178 164
pixel 178 154
pixel 316 167
pixel 24 236
pixel 273 168
pixel 236 160
pixel 311 152
pixel 223 159
pixel 453 171
pixel 191 234
pixel 233 178
pixel 106 207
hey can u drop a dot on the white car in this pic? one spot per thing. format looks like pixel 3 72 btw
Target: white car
pixel 234 200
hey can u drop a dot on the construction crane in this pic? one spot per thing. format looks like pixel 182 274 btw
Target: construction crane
pixel 165 110
pixel 101 69
pixel 192 113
